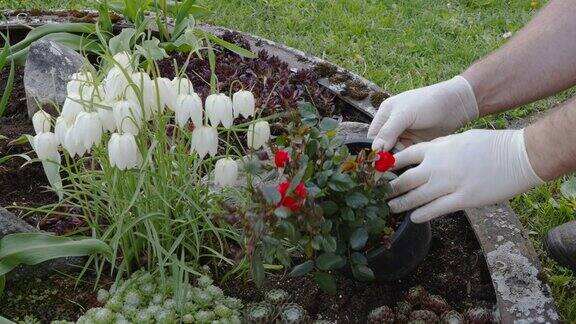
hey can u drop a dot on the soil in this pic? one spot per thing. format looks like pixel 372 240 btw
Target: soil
pixel 454 269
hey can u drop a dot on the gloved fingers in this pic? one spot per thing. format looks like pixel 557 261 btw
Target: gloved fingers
pixel 410 156
pixel 436 208
pixel 416 198
pixel 408 180
pixel 389 133
pixel 381 117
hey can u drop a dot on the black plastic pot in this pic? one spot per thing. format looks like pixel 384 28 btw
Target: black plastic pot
pixel 410 243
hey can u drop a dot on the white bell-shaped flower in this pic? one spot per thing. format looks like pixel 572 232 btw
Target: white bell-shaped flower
pixel 128 116
pixel 90 93
pixel 41 121
pixel 225 172
pixel 71 108
pixel 88 129
pixel 77 82
pixel 205 140
pixel 72 143
pixel 188 106
pixel 61 127
pixel 115 84
pixel 125 61
pixel 244 103
pixel 258 134
pixel 146 93
pixel 219 110
pixel 166 92
pixel 182 86
pixel 106 115
pixel 123 151
pixel 46 147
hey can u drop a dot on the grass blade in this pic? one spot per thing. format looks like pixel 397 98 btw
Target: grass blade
pixel 8 90
pixel 41 31
pixel 227 45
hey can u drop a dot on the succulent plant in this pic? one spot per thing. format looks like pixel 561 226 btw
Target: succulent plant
pixel 223 311
pixel 424 315
pixel 323 322
pixel 381 315
pixel 452 317
pixel 204 281
pixel 258 313
pixel 478 315
pixel 437 304
pixel 277 296
pixel 403 307
pixel 292 313
pixel 233 303
pixel 205 316
pixel 417 322
pixel 102 296
pixel 416 295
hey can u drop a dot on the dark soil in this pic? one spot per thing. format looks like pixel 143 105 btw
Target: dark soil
pixel 455 269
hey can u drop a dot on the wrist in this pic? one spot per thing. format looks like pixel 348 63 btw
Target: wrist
pixel 483 88
pixel 535 157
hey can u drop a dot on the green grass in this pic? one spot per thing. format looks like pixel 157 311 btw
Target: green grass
pixel 401 45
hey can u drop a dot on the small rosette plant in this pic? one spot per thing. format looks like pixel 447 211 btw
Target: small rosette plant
pixel 325 201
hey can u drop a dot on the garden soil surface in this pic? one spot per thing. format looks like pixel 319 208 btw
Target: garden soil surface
pixel 454 269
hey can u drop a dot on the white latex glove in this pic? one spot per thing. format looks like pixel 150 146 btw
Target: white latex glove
pixel 471 169
pixel 424 114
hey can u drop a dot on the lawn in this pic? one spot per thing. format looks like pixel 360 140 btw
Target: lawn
pixel 402 45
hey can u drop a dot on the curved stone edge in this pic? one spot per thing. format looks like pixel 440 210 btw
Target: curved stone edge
pixel 514 252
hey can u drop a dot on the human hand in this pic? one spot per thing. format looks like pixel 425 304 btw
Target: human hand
pixel 471 169
pixel 423 114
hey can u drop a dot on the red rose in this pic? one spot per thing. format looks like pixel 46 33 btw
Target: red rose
pixel 290 202
pixel 301 191
pixel 384 162
pixel 281 158
pixel 283 188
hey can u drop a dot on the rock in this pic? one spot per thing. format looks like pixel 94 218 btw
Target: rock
pixel 353 130
pixel 48 67
pixel 9 224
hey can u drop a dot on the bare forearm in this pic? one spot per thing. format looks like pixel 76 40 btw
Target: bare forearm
pixel 540 60
pixel 551 142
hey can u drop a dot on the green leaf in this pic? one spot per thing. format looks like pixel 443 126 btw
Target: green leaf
pixel 358 258
pixel 282 212
pixel 2 286
pixel 359 238
pixel 229 46
pixel 568 187
pixel 341 182
pixel 183 10
pixel 271 195
pixel 330 261
pixel 104 20
pixel 328 124
pixel 329 244
pixel 257 269
pixel 302 269
pixel 151 49
pixel 356 200
pixel 348 214
pixel 362 272
pixel 8 90
pixel 326 282
pixel 121 42
pixel 5 321
pixel 19 141
pixel 7 158
pixel 41 31
pixel 34 248
pixel 329 207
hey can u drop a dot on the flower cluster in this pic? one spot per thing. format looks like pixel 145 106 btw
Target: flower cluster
pixel 126 102
pixel 145 298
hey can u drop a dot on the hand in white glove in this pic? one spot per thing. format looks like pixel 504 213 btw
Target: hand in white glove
pixel 471 169
pixel 424 114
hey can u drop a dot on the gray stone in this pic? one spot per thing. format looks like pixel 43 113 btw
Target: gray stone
pixel 353 130
pixel 9 224
pixel 48 67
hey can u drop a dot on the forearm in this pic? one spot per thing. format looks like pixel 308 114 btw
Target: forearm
pixel 551 143
pixel 540 60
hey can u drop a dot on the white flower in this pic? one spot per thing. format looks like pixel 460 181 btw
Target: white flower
pixel 182 85
pixel 89 92
pixel 123 151
pixel 106 116
pixel 128 116
pixel 88 129
pixel 46 147
pixel 219 110
pixel 124 60
pixel 166 92
pixel 205 140
pixel 188 106
pixel 72 143
pixel 115 84
pixel 146 93
pixel 41 121
pixel 71 108
pixel 77 82
pixel 225 172
pixel 258 134
pixel 244 104
pixel 62 126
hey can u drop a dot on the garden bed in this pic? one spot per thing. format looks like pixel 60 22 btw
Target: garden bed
pixel 455 268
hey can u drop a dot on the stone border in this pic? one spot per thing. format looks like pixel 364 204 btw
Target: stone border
pixel 514 267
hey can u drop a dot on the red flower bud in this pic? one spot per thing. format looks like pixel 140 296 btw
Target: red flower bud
pixel 288 201
pixel 384 162
pixel 301 191
pixel 283 188
pixel 281 158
